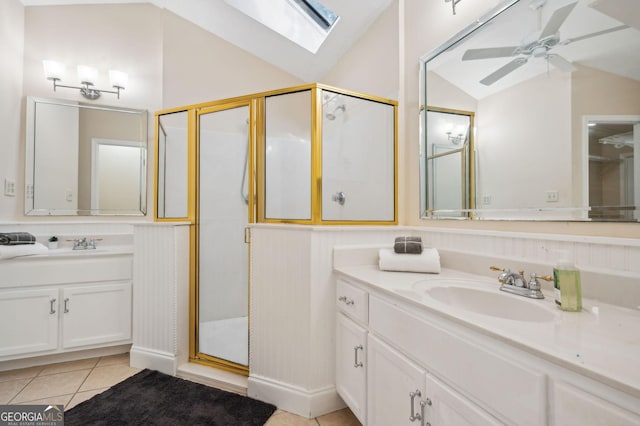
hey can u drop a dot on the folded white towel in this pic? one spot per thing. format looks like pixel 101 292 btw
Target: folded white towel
pixel 9 252
pixel 428 261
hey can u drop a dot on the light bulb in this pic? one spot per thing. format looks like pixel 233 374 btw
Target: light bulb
pixel 87 75
pixel 53 70
pixel 118 79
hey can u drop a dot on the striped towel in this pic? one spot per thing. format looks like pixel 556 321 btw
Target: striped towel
pixel 16 238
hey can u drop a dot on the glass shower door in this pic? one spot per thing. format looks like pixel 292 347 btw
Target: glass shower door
pixel 222 216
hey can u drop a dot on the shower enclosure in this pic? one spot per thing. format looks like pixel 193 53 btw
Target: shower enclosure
pixel 311 154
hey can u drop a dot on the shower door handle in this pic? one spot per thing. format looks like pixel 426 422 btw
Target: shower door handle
pixel 247 235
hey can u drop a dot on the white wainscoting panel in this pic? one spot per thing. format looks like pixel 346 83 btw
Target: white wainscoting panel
pixel 160 292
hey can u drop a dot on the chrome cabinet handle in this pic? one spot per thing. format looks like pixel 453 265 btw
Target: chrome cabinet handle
pixel 424 403
pixel 66 305
pixel 414 416
pixel 357 363
pixel 346 300
pixel 52 308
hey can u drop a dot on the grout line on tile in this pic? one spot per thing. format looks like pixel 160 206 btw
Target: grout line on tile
pixel 31 379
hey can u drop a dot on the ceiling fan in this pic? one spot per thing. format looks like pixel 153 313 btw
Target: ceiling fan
pixel 537 45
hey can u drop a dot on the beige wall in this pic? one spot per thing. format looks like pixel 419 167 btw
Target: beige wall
pixel 11 52
pixel 199 67
pixel 372 65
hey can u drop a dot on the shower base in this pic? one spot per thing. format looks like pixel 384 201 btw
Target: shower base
pixel 226 339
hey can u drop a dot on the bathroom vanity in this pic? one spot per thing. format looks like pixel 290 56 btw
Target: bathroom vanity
pixel 65 301
pixel 451 349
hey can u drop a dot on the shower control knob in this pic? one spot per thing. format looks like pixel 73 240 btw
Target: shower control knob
pixel 339 197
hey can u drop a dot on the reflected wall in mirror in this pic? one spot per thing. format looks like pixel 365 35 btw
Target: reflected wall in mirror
pixel 83 159
pixel 450 164
pixel 172 165
pixel 532 72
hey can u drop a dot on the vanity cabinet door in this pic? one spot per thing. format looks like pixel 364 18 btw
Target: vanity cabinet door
pixel 393 382
pixel 28 321
pixel 94 314
pixel 572 405
pixel 351 365
pixel 447 407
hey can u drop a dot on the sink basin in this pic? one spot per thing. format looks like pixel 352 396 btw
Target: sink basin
pixel 491 303
pixel 69 252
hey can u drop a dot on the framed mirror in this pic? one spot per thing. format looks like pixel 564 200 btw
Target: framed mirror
pixel 539 75
pixel 84 159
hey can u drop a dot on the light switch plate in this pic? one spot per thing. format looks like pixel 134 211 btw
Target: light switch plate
pixel 9 187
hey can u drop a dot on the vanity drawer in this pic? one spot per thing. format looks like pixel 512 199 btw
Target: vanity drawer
pixel 500 384
pixel 353 301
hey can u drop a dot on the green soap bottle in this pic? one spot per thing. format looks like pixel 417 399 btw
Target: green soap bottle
pixel 567 287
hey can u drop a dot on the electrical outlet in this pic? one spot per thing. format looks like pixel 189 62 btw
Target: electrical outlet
pixel 486 200
pixel 9 187
pixel 552 196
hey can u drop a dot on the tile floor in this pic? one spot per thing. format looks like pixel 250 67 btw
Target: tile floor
pixel 70 383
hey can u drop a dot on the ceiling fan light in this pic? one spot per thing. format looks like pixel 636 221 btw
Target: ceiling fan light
pixel 539 52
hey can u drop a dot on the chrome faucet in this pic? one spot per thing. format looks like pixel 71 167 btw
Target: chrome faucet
pixel 84 243
pixel 514 282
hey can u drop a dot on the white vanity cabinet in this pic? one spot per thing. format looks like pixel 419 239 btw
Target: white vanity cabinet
pixel 403 393
pixel 424 367
pixel 51 305
pixel 28 320
pixel 351 347
pixel 94 314
pixel 587 407
pixel 421 372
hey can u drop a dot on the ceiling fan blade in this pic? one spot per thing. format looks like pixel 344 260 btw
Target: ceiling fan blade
pixel 557 19
pixel 597 33
pixel 503 71
pixel 489 52
pixel 561 63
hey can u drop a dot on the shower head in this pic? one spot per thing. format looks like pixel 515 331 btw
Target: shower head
pixel 332 115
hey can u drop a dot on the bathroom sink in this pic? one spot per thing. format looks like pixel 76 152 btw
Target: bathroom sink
pixel 492 303
pixel 69 252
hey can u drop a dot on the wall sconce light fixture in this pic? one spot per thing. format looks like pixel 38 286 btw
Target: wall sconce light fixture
pixel 460 134
pixel 87 75
pixel 453 4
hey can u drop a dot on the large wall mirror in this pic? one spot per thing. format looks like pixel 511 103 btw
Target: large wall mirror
pixel 554 86
pixel 84 159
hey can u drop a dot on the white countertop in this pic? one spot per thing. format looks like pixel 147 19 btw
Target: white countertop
pixel 601 342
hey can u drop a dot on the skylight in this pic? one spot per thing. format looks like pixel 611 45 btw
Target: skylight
pixel 305 22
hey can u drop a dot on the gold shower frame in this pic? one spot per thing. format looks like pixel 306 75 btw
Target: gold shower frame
pixel 256 103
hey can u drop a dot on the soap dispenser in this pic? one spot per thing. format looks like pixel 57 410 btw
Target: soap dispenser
pixel 567 287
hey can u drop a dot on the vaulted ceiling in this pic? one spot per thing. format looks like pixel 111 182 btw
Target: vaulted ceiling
pixel 228 23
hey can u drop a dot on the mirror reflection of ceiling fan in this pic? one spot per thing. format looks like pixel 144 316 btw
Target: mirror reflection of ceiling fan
pixel 538 45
